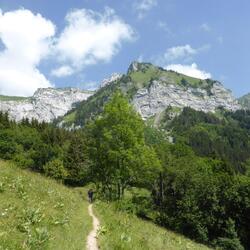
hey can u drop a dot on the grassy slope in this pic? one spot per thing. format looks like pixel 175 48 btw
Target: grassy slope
pixel 38 213
pixel 121 231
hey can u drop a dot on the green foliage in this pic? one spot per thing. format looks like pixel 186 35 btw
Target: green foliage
pixel 42 147
pixel 55 169
pixel 200 198
pixel 226 139
pixel 228 244
pixel 118 150
pixel 76 159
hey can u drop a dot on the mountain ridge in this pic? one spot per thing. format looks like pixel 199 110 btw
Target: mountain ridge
pixel 152 89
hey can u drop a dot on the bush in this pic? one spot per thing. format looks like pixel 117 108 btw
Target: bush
pixel 228 244
pixel 55 169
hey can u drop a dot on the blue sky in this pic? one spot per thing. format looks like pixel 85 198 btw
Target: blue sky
pixel 79 42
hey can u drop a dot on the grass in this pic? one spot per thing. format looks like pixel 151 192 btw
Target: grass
pixel 121 231
pixel 70 117
pixel 39 213
pixel 12 98
pixel 149 72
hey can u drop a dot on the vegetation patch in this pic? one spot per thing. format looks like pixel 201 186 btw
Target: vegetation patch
pixel 38 213
pixel 124 231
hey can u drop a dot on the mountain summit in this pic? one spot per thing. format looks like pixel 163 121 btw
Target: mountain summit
pixel 152 89
pixel 149 88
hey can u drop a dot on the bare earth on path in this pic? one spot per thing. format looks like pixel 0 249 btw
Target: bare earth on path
pixel 92 237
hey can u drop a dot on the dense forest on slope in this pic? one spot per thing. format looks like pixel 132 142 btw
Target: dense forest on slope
pixel 199 185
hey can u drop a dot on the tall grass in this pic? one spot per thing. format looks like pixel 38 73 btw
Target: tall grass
pixel 39 213
pixel 122 231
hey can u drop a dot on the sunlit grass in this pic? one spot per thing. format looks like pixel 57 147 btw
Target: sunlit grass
pixel 39 213
pixel 122 231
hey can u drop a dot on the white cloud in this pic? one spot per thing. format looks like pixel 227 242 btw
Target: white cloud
pixel 189 70
pixel 91 37
pixel 205 27
pixel 27 40
pixel 62 71
pixel 143 6
pixel 179 52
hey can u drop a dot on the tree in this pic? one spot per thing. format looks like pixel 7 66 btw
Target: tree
pixel 118 150
pixel 76 160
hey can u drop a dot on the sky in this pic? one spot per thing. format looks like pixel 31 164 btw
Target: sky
pixel 78 43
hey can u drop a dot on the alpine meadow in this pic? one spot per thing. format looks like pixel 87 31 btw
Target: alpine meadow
pixel 154 158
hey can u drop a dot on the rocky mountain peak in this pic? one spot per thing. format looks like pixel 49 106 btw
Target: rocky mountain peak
pixel 112 78
pixel 139 66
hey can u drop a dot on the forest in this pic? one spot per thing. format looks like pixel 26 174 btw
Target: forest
pixel 199 184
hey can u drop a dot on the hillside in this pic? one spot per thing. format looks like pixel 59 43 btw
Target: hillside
pixel 38 213
pixel 123 231
pixel 45 105
pixel 245 101
pixel 151 90
pixel 202 173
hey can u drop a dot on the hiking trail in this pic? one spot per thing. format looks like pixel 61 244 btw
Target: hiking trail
pixel 92 237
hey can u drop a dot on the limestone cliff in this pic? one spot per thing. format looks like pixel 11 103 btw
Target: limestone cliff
pixel 45 105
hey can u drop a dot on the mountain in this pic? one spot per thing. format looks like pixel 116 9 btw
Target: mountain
pixel 45 105
pixel 245 101
pixel 151 90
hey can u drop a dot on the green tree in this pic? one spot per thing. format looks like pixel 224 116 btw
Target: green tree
pixel 76 159
pixel 118 150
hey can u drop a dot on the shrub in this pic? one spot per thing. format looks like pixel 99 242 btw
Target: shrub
pixel 55 169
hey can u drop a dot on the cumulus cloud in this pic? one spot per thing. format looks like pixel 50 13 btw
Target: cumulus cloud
pixel 143 6
pixel 62 71
pixel 183 53
pixel 26 38
pixel 90 37
pixel 179 52
pixel 189 70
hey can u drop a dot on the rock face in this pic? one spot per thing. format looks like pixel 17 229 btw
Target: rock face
pixel 245 101
pixel 45 105
pixel 160 94
pixel 112 78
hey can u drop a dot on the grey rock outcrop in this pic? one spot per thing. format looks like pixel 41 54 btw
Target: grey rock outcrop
pixel 45 105
pixel 112 78
pixel 245 101
pixel 159 95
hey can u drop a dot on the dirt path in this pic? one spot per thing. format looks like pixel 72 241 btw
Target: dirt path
pixel 91 240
